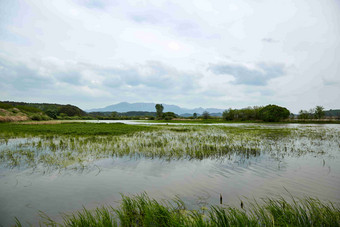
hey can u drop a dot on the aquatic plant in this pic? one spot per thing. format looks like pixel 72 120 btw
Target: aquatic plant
pixel 141 210
pixel 171 142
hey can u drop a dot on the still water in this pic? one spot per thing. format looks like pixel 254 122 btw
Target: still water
pixel 25 191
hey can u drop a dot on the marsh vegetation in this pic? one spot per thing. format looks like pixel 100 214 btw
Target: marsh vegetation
pixel 73 148
pixel 191 161
pixel 140 210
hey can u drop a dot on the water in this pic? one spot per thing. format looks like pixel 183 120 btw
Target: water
pixel 25 191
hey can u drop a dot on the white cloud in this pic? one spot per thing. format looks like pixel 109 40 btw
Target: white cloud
pixel 193 53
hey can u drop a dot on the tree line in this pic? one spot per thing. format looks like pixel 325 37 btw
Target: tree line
pixel 268 113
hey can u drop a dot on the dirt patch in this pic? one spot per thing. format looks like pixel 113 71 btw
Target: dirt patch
pixel 4 112
pixel 53 122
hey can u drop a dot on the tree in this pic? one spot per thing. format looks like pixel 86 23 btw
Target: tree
pixel 273 113
pixel 245 114
pixel 159 110
pixel 169 115
pixel 206 115
pixel 229 114
pixel 114 114
pixel 319 112
pixel 303 114
pixel 194 115
pixel 71 111
pixel 52 113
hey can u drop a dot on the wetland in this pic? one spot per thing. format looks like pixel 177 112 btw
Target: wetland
pixel 77 168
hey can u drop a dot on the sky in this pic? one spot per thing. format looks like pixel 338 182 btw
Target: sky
pixel 213 53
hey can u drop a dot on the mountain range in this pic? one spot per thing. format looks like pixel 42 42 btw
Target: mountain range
pixel 150 107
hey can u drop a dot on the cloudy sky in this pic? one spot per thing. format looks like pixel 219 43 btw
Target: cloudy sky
pixel 213 53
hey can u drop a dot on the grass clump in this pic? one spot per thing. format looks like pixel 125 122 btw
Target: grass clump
pixel 140 210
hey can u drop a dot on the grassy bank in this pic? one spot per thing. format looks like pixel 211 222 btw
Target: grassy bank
pixel 141 210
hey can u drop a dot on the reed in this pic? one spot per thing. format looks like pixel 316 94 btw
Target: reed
pixel 172 142
pixel 141 210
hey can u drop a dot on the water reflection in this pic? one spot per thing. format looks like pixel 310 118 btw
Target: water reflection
pixel 302 171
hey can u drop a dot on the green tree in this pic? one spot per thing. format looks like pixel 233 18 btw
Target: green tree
pixel 273 113
pixel 71 111
pixel 52 113
pixel 229 114
pixel 319 112
pixel 195 115
pixel 114 114
pixel 206 115
pixel 304 114
pixel 169 115
pixel 159 110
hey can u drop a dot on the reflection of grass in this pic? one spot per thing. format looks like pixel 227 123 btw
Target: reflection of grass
pixel 180 142
pixel 141 210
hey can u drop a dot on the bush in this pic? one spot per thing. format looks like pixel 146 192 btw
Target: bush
pixel 30 109
pixel 45 117
pixel 52 113
pixel 36 117
pixel 169 115
pixel 5 106
pixel 273 113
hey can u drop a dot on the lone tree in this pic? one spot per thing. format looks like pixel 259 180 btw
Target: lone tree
pixel 206 115
pixel 194 115
pixel 273 113
pixel 319 112
pixel 159 110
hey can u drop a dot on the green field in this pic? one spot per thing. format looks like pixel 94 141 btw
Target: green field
pixel 77 129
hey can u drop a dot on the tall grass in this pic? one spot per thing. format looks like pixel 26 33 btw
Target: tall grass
pixel 141 210
pixel 183 142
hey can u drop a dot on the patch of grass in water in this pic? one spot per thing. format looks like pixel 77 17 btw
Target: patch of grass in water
pixel 182 142
pixel 141 210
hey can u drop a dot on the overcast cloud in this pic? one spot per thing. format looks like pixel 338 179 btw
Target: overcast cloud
pixel 217 53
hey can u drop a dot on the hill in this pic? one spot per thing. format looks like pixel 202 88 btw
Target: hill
pixel 51 110
pixel 124 114
pixel 150 107
pixel 332 113
pixel 10 112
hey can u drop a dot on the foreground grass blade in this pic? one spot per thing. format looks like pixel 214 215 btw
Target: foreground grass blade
pixel 140 210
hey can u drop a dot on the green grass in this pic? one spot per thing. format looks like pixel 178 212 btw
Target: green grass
pixel 79 144
pixel 141 210
pixel 79 129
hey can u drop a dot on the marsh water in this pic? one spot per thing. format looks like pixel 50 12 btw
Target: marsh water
pixel 198 180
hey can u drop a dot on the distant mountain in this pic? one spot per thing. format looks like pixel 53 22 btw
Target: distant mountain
pixel 332 113
pixel 150 107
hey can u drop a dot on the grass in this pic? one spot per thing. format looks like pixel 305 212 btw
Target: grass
pixel 140 210
pixel 80 144
pixel 78 129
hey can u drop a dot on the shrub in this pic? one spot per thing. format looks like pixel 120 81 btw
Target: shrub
pixel 273 113
pixel 5 106
pixel 36 117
